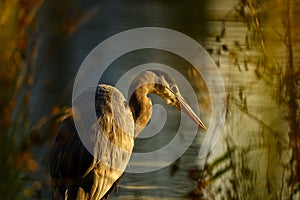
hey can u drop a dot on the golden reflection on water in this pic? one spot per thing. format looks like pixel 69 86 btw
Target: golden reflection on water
pixel 257 123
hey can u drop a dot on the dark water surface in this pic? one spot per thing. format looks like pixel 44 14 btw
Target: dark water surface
pixel 198 19
pixel 54 81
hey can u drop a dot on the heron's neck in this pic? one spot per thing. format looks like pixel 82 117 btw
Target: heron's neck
pixel 141 107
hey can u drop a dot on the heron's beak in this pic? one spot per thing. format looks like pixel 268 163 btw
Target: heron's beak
pixel 184 106
pixel 188 110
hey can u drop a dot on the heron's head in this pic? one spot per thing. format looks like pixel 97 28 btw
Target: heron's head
pixel 163 85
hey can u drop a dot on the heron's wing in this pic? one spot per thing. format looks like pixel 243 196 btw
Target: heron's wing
pixel 114 140
pixel 77 173
pixel 90 170
pixel 69 159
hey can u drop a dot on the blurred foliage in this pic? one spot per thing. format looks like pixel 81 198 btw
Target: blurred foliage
pixel 16 59
pixel 232 170
pixel 20 41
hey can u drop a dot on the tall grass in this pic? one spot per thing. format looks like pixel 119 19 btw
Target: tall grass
pixel 16 23
pixel 268 165
pixel 19 53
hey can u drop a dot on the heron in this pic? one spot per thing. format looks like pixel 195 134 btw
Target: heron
pixel 78 174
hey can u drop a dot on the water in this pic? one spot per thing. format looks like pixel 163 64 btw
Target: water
pixel 202 22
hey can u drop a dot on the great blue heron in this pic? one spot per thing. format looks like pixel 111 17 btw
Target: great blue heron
pixel 75 172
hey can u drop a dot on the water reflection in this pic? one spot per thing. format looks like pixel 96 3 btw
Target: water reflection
pixel 265 128
pixel 114 17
